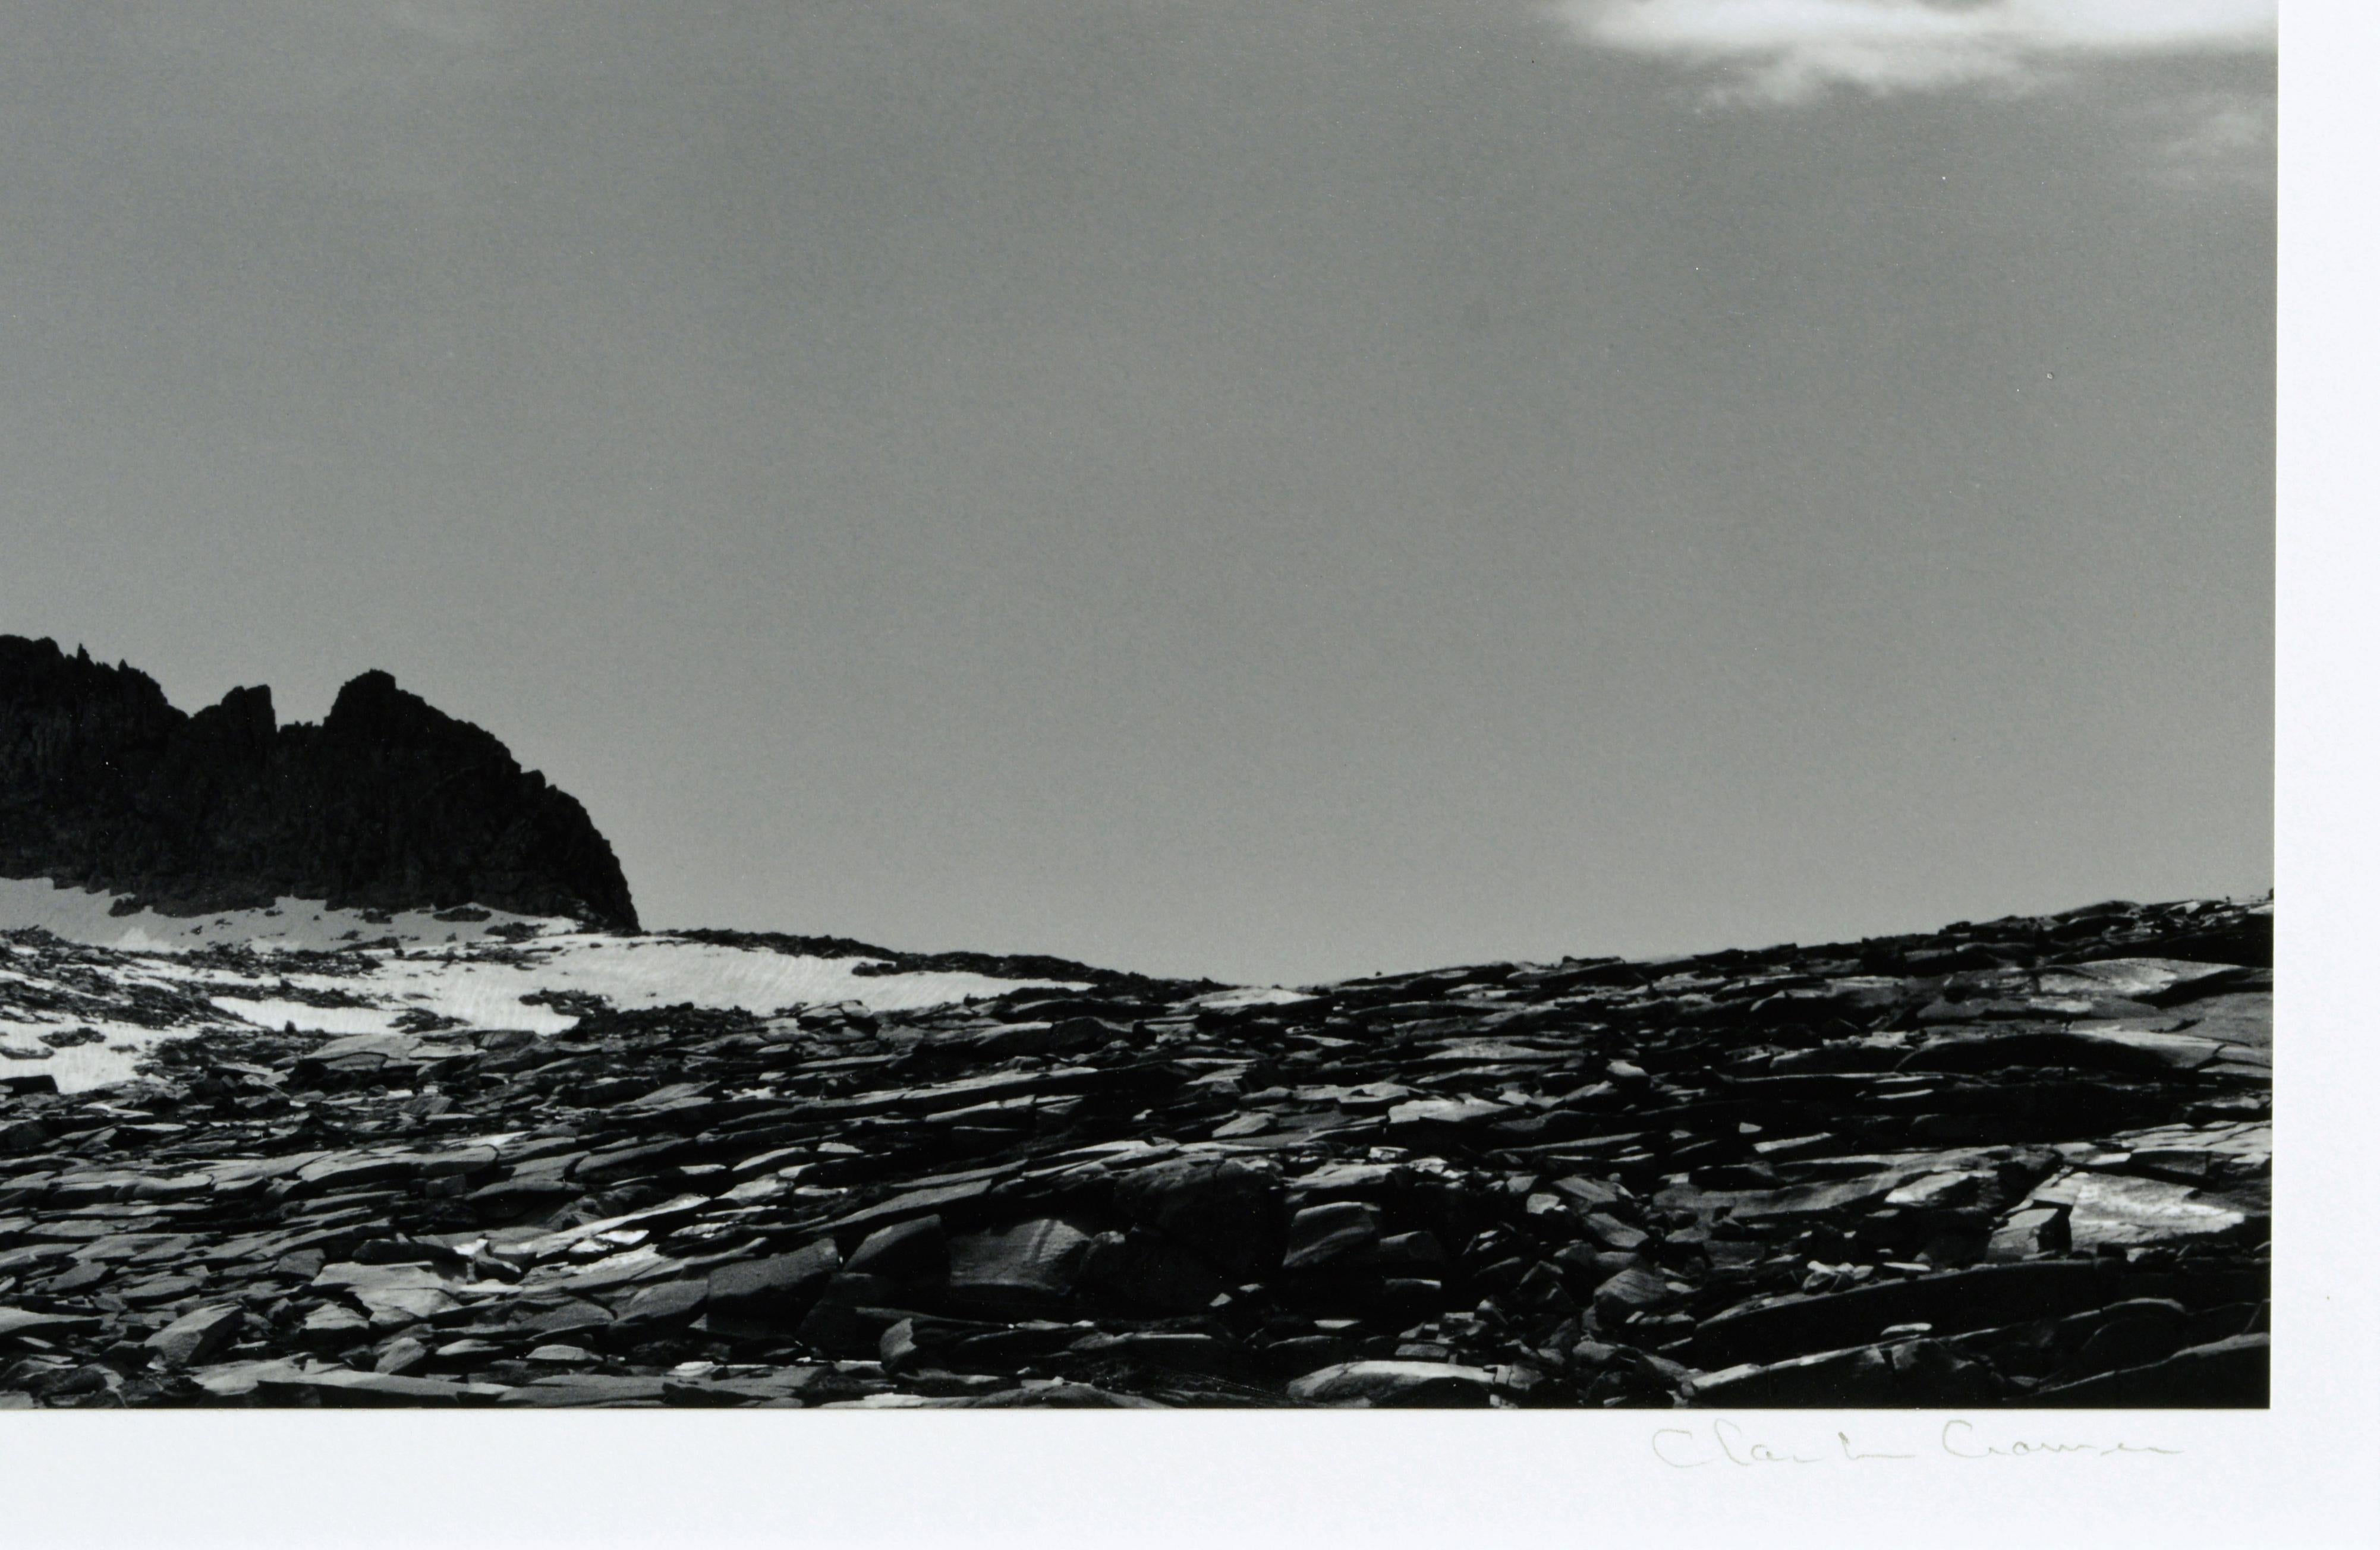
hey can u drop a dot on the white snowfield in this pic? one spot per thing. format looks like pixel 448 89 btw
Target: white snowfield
pixel 89 916
pixel 454 969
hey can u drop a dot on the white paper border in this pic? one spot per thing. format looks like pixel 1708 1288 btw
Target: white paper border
pixel 2302 1475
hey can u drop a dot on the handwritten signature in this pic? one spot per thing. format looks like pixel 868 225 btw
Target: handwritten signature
pixel 1726 1441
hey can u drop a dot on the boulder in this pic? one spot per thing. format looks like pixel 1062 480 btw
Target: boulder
pixel 331 1327
pixel 850 1315
pixel 391 1294
pixel 1634 1290
pixel 760 1295
pixel 197 1335
pixel 916 1250
pixel 340 1388
pixel 1984 1296
pixel 2123 1211
pixel 1396 1385
pixel 2037 1229
pixel 1227 1211
pixel 2234 1374
pixel 1333 1233
pixel 25 1321
pixel 1021 1270
pixel 1146 1269
pixel 658 1309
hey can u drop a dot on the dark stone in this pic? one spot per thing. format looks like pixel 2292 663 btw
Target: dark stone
pixel 401 1356
pixel 2135 1333
pixel 2235 1373
pixel 2245 940
pixel 1021 1271
pixel 1061 1395
pixel 343 1389
pixel 387 804
pixel 581 1390
pixel 850 1315
pixel 1321 1234
pixel 625 1162
pixel 911 1251
pixel 1554 1124
pixel 19 1323
pixel 1861 1376
pixel 1634 1291
pixel 1005 1350
pixel 1185 1351
pixel 571 1318
pixel 196 1335
pixel 1613 1234
pixel 1974 1298
pixel 1146 1269
pixel 1395 1384
pixel 939 1200
pixel 514 1199
pixel 922 1340
pixel 1228 1212
pixel 330 1175
pixel 655 1309
pixel 773 1293
pixel 1987 1051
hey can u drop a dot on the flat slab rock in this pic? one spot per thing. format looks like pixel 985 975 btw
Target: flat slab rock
pixel 1395 1384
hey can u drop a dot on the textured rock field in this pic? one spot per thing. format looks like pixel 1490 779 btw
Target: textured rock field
pixel 2022 1162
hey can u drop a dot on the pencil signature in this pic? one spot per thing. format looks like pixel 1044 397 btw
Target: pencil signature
pixel 1728 1442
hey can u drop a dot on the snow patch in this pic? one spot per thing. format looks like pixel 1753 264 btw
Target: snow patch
pixel 1251 995
pixel 477 984
pixel 308 1018
pixel 88 916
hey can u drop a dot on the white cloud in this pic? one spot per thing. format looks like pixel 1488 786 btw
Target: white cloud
pixel 2219 139
pixel 2229 126
pixel 1786 50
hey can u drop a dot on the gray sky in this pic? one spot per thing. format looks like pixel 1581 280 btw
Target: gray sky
pixel 1268 489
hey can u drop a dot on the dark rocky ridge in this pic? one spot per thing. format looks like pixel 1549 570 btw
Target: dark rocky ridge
pixel 389 803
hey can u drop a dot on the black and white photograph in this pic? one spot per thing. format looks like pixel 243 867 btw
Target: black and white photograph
pixel 1267 708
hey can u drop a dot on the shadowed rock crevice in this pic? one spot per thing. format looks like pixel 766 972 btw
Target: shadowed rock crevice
pixel 388 803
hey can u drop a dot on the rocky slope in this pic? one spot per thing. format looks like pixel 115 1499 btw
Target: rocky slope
pixel 387 804
pixel 2024 1162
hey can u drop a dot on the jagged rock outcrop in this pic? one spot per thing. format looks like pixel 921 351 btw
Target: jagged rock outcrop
pixel 389 803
